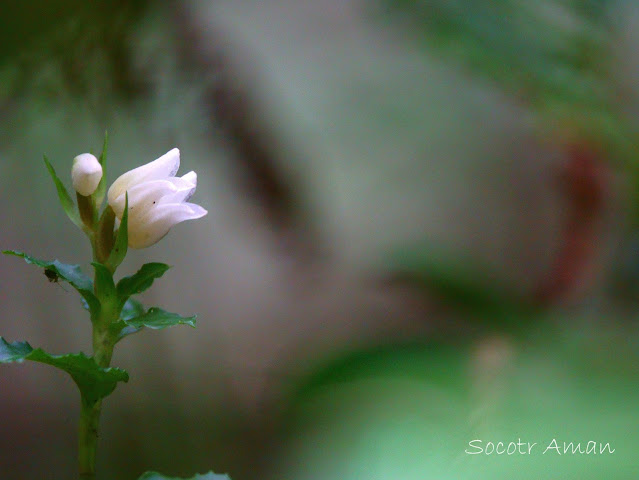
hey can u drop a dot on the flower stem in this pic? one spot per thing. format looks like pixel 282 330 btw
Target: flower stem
pixel 88 439
pixel 103 344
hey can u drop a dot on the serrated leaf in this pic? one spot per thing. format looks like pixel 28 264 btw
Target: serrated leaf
pixel 133 319
pixel 140 280
pixel 121 244
pixel 71 274
pixel 156 319
pixel 64 197
pixel 104 286
pixel 199 476
pixel 131 309
pixel 101 190
pixel 93 381
pixel 13 352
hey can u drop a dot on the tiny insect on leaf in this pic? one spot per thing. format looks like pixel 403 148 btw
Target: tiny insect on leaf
pixel 52 275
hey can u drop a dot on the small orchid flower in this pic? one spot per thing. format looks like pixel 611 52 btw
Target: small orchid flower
pixel 86 174
pixel 157 199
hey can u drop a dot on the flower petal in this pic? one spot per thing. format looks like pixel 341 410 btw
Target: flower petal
pixel 190 177
pixel 165 166
pixel 178 212
pixel 186 186
pixel 146 195
pixel 160 220
pixel 157 199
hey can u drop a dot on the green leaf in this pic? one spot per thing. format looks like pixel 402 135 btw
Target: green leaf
pixel 63 196
pixel 98 195
pixel 121 240
pixel 104 286
pixel 131 309
pixel 69 273
pixel 156 318
pixel 13 352
pixel 133 284
pixel 140 280
pixel 93 381
pixel 199 476
pixel 134 318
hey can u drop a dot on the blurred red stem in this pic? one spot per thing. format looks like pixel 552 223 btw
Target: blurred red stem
pixel 584 181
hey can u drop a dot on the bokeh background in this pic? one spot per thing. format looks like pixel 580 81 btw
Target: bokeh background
pixel 421 232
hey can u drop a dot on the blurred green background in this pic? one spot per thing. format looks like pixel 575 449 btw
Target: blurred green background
pixel 421 232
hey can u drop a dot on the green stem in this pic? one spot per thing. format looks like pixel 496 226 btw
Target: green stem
pixel 90 413
pixel 88 439
pixel 102 344
pixel 101 236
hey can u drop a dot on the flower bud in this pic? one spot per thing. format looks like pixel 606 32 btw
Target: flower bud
pixel 86 174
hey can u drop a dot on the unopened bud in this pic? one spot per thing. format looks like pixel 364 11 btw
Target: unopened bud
pixel 86 174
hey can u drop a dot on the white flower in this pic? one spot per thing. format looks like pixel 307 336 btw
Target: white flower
pixel 86 174
pixel 157 199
